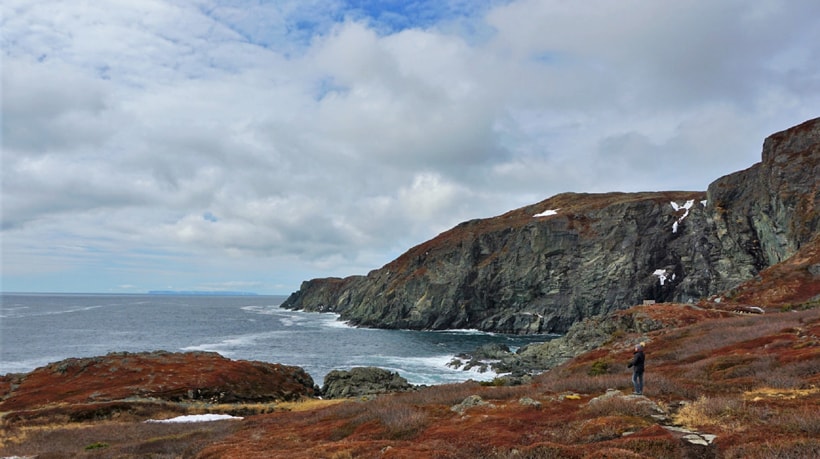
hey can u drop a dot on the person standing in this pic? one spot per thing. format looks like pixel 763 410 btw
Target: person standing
pixel 637 365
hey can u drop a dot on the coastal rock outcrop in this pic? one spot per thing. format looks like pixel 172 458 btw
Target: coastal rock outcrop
pixel 159 375
pixel 584 336
pixel 543 267
pixel 362 382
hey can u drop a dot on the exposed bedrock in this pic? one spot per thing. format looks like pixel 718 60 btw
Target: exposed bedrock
pixel 543 267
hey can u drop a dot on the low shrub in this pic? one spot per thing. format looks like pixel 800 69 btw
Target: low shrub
pixel 537 451
pixel 402 422
pixel 619 405
pixel 603 428
pixel 599 367
pixel 803 420
pixel 661 385
pixel 398 418
pixel 651 447
pixel 775 450
pixel 584 383
pixel 444 394
pixel 117 439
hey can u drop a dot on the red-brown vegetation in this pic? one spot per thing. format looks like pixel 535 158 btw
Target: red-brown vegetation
pixel 753 381
pixel 154 375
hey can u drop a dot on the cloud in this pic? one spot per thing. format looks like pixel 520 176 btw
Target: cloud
pixel 214 141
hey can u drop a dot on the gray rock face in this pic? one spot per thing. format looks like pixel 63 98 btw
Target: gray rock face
pixel 362 381
pixel 541 268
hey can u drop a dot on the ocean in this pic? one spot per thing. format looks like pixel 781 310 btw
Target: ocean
pixel 37 329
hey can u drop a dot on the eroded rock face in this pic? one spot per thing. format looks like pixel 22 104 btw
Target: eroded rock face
pixel 541 268
pixel 205 376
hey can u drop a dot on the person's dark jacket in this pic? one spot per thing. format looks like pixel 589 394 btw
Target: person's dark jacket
pixel 637 362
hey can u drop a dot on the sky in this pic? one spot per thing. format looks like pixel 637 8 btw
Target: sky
pixel 251 145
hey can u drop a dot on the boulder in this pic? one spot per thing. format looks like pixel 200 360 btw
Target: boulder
pixel 362 382
pixel 470 402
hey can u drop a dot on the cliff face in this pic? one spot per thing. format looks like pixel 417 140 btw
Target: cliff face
pixel 542 267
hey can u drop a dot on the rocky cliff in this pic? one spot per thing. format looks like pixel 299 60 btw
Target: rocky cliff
pixel 542 267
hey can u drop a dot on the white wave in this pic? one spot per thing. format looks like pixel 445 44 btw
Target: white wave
pixel 50 313
pixel 465 331
pixel 331 320
pixel 432 370
pixel 9 312
pixel 292 319
pixel 232 343
pixel 261 309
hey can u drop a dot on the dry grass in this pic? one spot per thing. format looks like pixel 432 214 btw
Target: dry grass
pixel 764 393
pixel 307 404
pixel 387 417
pixel 780 449
pixel 115 439
pixel 803 421
pixel 558 381
pixel 725 412
pixel 619 406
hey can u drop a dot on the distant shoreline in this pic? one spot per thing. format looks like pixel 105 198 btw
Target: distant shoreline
pixel 151 292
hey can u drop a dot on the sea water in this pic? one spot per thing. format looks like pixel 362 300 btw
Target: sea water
pixel 37 329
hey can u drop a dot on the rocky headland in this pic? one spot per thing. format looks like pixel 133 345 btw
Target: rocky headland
pixel 544 267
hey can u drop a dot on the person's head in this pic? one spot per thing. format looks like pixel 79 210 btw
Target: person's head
pixel 638 347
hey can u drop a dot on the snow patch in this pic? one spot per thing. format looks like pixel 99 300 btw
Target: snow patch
pixel 194 418
pixel 662 275
pixel 546 213
pixel 686 206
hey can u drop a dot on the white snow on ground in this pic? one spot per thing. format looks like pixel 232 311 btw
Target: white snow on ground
pixel 195 418
pixel 688 205
pixel 547 213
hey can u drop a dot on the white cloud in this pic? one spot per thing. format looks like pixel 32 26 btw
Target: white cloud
pixel 200 140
